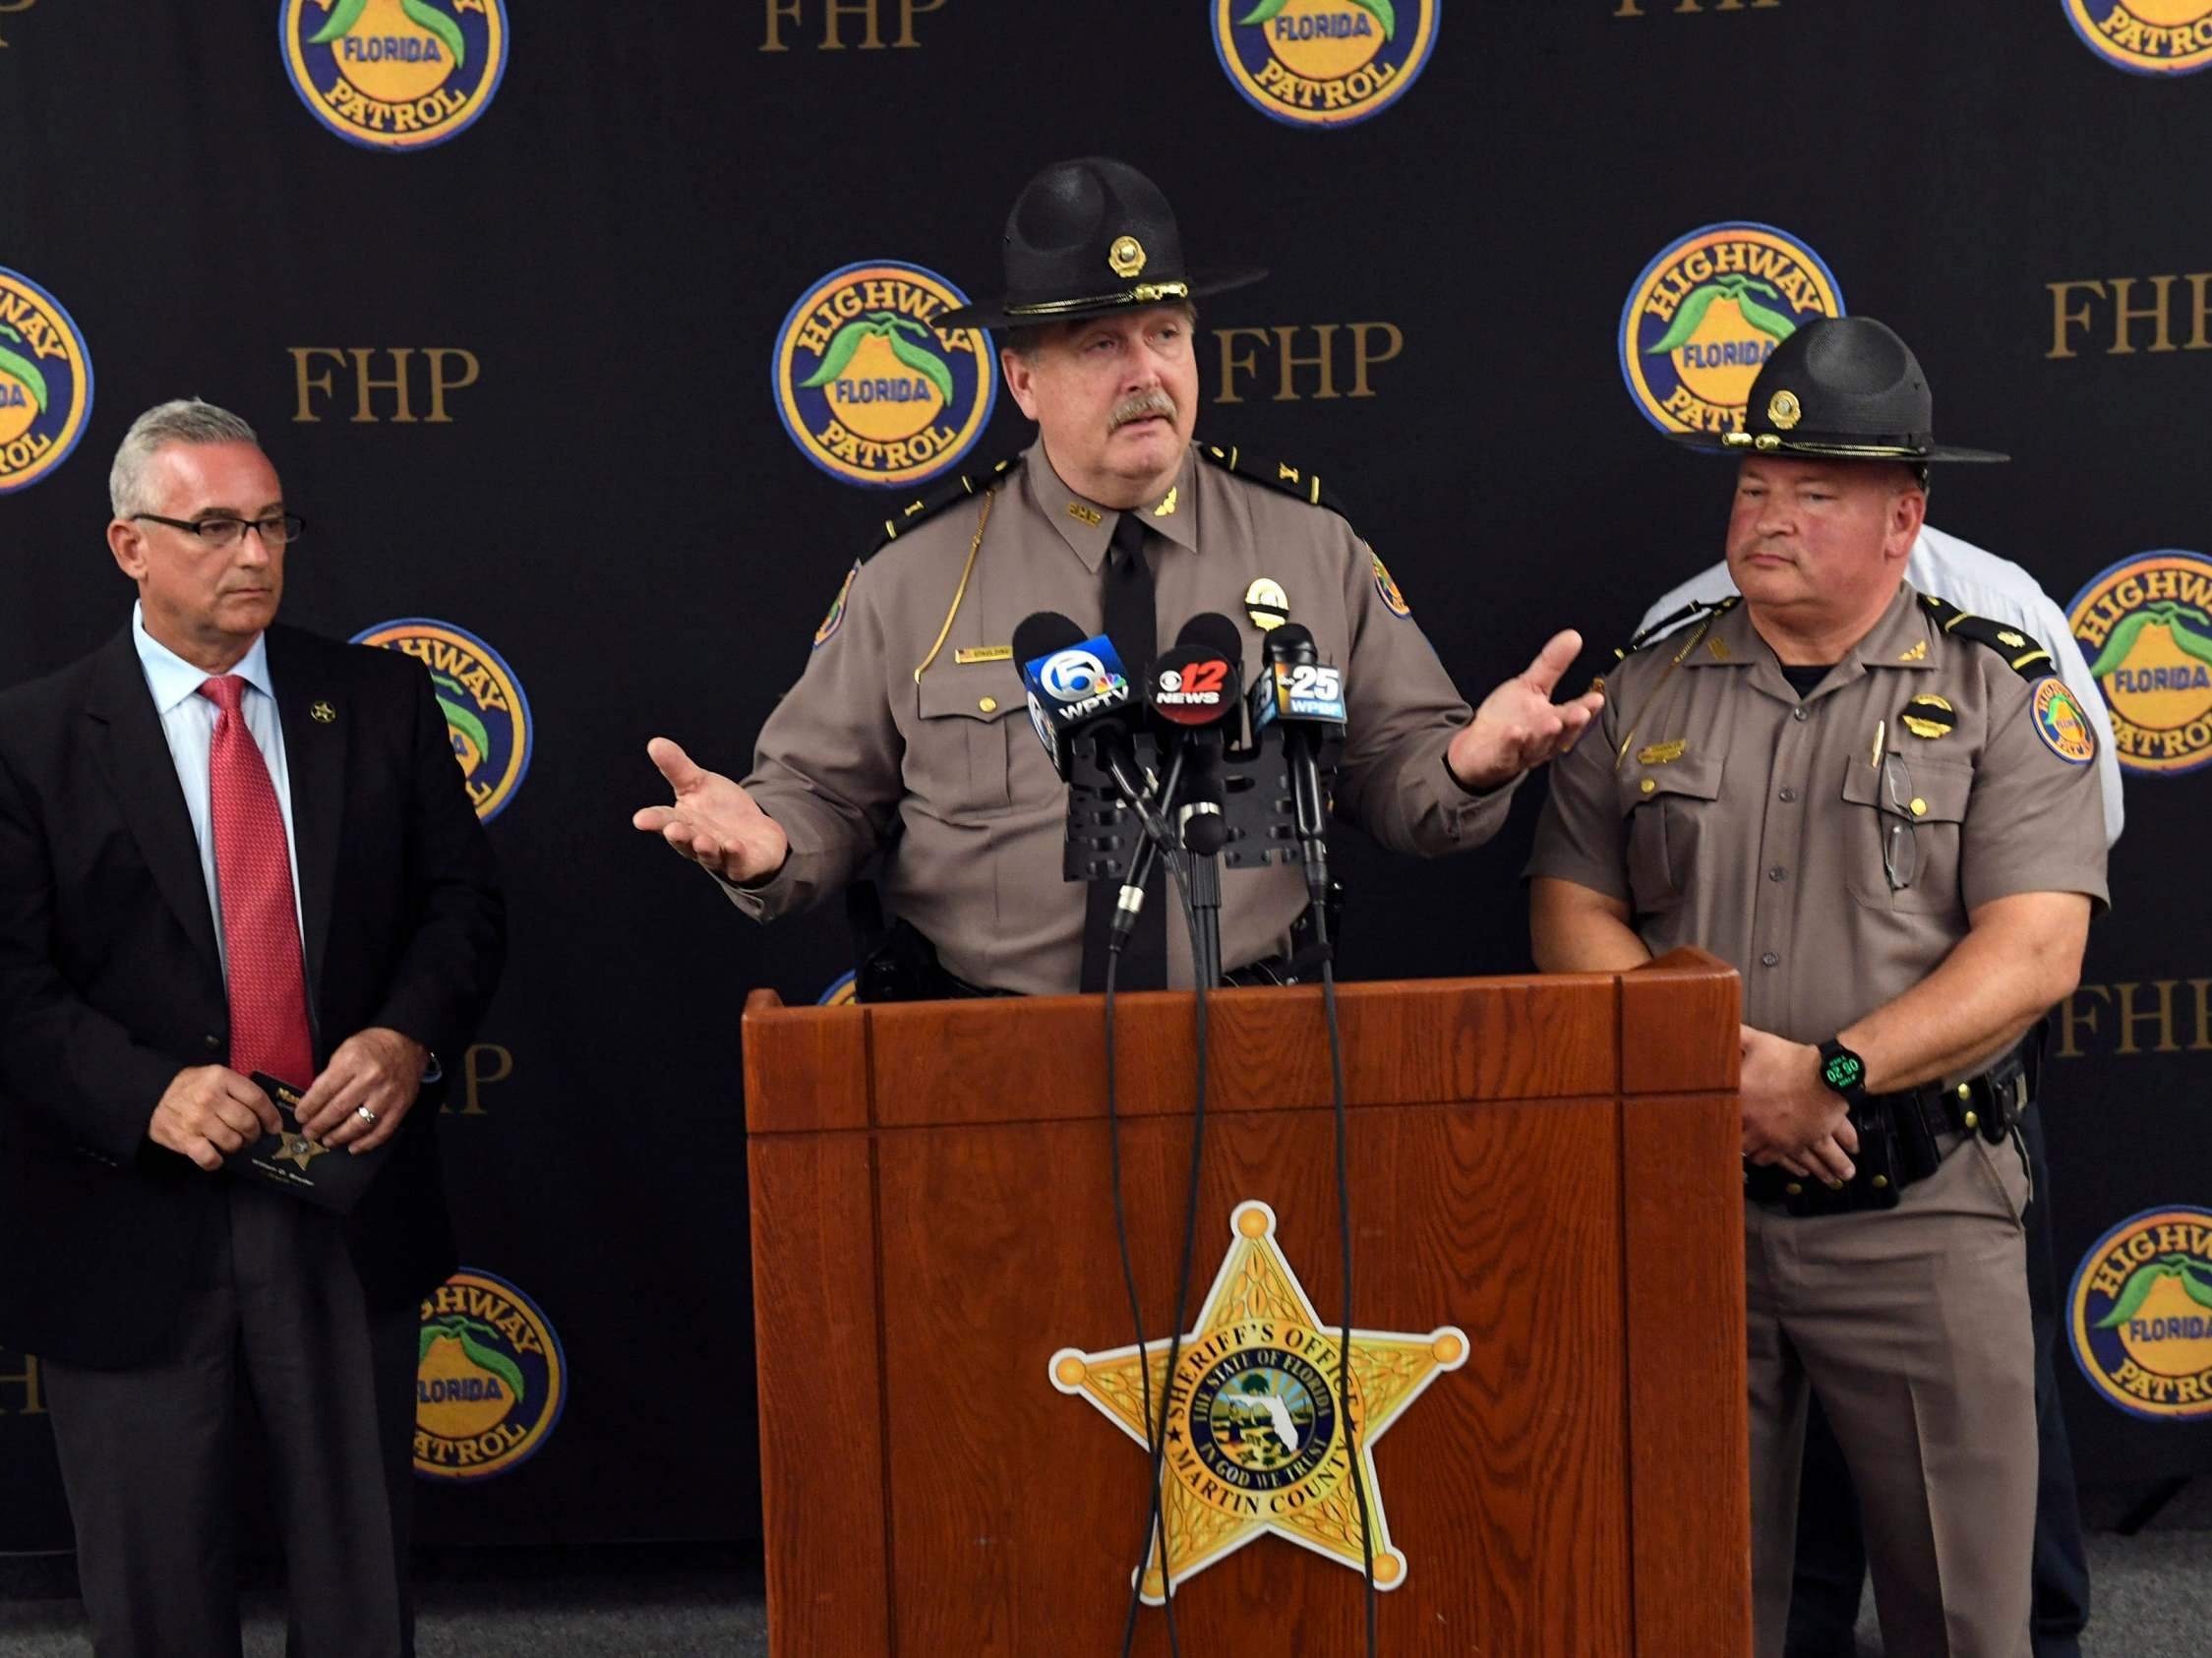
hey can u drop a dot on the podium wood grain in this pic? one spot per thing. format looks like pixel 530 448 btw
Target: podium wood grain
pixel 933 1218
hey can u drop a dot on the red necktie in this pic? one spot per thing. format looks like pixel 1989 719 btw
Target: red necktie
pixel 261 936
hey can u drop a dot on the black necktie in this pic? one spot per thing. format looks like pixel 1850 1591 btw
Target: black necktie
pixel 1131 625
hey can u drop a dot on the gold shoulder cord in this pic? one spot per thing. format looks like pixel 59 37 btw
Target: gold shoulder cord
pixel 1696 634
pixel 968 570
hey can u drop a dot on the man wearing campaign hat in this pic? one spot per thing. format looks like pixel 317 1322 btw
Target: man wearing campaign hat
pixel 1883 811
pixel 905 738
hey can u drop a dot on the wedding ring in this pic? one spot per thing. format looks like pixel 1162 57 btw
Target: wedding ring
pixel 366 1116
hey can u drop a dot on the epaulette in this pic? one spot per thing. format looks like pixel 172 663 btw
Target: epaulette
pixel 2025 657
pixel 1664 626
pixel 922 507
pixel 1306 485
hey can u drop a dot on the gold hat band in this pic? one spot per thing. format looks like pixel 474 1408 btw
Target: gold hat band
pixel 1144 293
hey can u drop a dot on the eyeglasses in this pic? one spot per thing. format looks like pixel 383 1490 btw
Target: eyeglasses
pixel 1900 847
pixel 223 531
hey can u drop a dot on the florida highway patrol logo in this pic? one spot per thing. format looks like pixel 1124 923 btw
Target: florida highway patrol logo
pixel 394 74
pixel 2146 36
pixel 485 713
pixel 2061 723
pixel 835 619
pixel 1707 312
pixel 2146 627
pixel 1323 62
pixel 489 1379
pixel 869 388
pixel 2140 1315
pixel 1257 1439
pixel 1386 590
pixel 45 383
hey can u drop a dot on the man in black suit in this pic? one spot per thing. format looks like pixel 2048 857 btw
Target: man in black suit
pixel 227 845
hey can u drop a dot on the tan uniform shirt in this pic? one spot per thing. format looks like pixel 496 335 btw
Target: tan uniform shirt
pixel 1731 813
pixel 862 745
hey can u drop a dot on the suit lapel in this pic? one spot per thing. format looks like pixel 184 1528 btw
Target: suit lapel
pixel 141 774
pixel 318 721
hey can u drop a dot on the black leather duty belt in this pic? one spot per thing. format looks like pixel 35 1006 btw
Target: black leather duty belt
pixel 1900 1135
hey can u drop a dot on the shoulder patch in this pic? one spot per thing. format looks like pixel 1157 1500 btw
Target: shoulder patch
pixel 836 618
pixel 1276 475
pixel 2023 655
pixel 1386 590
pixel 2058 719
pixel 923 507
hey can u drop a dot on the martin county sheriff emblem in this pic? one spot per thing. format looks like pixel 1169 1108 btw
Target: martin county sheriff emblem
pixel 2146 36
pixel 1323 62
pixel 45 383
pixel 487 716
pixel 2145 624
pixel 394 74
pixel 1255 1437
pixel 1707 314
pixel 871 390
pixel 2140 1315
pixel 491 1380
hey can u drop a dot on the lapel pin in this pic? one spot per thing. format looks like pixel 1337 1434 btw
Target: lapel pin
pixel 323 713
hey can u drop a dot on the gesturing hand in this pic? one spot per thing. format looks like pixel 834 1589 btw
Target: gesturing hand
pixel 209 1109
pixel 714 822
pixel 1519 726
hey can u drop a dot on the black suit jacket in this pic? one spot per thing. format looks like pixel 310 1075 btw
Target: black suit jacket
pixel 110 982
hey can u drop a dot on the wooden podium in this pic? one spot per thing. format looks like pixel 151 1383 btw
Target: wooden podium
pixel 1547 1164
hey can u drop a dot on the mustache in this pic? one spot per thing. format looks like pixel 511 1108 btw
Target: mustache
pixel 1140 407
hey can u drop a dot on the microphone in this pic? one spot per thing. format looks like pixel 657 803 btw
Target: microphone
pixel 1307 700
pixel 1198 680
pixel 1077 686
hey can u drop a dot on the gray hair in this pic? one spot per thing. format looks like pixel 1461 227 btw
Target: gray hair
pixel 187 420
pixel 1024 340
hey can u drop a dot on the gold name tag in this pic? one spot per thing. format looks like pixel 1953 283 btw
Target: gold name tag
pixel 983 653
pixel 1659 754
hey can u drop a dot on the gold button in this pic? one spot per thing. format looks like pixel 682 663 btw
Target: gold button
pixel 1649 784
pixel 1973 1121
pixel 1919 806
pixel 990 705
pixel 1835 1185
pixel 1880 1182
pixel 1966 1090
pixel 1794 1189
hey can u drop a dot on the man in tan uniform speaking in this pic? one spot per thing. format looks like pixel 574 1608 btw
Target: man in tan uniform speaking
pixel 907 735
pixel 1883 813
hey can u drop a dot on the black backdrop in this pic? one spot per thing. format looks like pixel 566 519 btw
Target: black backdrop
pixel 614 506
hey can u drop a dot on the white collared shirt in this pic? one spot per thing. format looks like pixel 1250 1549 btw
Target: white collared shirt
pixel 188 721
pixel 1985 585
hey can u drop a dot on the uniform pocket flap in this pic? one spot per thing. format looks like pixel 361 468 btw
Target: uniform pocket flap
pixel 1928 791
pixel 989 691
pixel 1689 777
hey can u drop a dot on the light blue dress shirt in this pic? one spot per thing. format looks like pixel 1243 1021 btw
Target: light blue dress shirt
pixel 188 721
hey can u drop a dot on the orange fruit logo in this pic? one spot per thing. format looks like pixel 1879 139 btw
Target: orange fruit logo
pixel 489 1379
pixel 396 74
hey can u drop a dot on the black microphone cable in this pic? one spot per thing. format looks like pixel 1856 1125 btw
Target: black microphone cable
pixel 1124 921
pixel 1292 645
pixel 1156 1429
pixel 1344 1225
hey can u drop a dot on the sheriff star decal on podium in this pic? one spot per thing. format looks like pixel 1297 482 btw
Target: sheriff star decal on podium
pixel 1254 1440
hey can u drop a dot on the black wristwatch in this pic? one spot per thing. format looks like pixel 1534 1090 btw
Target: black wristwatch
pixel 1842 1071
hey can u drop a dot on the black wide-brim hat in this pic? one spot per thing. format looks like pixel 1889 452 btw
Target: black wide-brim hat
pixel 1839 388
pixel 1086 238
